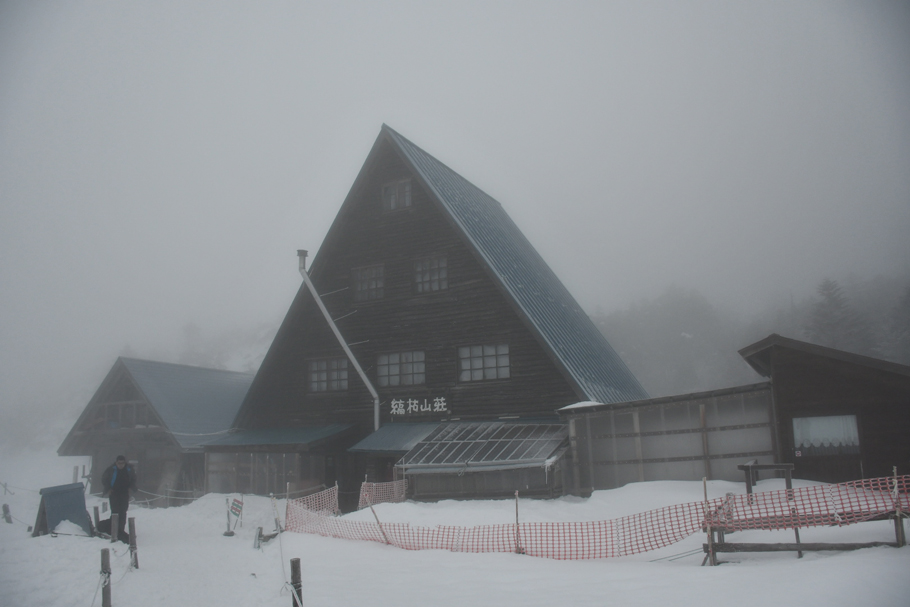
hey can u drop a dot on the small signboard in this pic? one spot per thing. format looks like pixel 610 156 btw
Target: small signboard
pixel 416 406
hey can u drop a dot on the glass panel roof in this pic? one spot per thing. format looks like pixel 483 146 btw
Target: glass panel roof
pixel 462 444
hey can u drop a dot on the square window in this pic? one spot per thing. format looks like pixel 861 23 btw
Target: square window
pixel 401 369
pixel 369 283
pixel 476 363
pixel 396 195
pixel 328 374
pixel 431 274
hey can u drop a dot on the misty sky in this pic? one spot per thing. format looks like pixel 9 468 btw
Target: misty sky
pixel 161 162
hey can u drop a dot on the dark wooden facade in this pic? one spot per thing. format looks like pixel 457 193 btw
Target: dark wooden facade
pixel 431 222
pixel 470 311
pixel 812 381
pixel 121 421
pixel 157 415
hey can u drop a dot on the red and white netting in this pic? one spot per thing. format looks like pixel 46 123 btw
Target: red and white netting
pixel 380 493
pixel 842 504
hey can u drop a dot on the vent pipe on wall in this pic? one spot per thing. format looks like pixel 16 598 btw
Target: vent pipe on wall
pixel 301 265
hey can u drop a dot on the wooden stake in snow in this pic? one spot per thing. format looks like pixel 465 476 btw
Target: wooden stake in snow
pixel 97 518
pixel 711 556
pixel 900 537
pixel 381 530
pixel 296 583
pixel 227 510
pixel 134 551
pixel 6 514
pixel 115 526
pixel 106 577
pixel 518 548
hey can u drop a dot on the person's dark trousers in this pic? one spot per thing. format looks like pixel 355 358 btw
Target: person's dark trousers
pixel 119 504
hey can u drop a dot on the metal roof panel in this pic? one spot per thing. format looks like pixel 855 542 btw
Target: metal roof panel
pixel 562 325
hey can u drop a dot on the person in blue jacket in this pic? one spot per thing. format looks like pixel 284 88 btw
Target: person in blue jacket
pixel 118 480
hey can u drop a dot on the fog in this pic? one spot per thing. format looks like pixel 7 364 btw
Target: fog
pixel 161 162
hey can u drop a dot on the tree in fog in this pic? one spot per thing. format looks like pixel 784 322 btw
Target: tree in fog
pixel 897 343
pixel 677 343
pixel 834 323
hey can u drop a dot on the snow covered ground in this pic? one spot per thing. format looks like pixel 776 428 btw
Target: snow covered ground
pixel 185 560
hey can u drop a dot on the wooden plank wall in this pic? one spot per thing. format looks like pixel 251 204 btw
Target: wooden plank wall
pixel 807 385
pixel 472 311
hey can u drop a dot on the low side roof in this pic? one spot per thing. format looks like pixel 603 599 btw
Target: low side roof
pixel 296 437
pixel 395 438
pixel 758 355
pixel 563 327
pixel 591 407
pixel 196 404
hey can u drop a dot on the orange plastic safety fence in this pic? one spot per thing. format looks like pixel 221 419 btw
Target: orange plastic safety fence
pixel 804 507
pixel 379 493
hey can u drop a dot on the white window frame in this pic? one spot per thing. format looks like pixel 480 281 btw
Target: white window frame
pixel 327 374
pixel 369 282
pixel 484 362
pixel 401 369
pixel 431 273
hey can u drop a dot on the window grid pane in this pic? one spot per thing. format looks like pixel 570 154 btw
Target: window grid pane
pixel 328 374
pixel 476 363
pixel 369 283
pixel 431 274
pixel 401 369
pixel 396 195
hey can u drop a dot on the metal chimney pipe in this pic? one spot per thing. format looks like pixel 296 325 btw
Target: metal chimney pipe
pixel 301 256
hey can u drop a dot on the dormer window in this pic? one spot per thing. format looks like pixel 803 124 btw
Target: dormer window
pixel 396 195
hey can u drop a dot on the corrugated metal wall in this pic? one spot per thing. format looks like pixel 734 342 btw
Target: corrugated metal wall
pixel 679 439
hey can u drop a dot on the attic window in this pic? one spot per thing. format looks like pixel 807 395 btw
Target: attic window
pixel 431 274
pixel 369 283
pixel 478 363
pixel 396 195
pixel 328 374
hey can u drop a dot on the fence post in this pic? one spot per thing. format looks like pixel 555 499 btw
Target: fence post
pixel 105 577
pixel 899 535
pixel 134 551
pixel 115 527
pixel 296 583
pixel 227 509
pixel 518 548
pixel 97 517
pixel 711 556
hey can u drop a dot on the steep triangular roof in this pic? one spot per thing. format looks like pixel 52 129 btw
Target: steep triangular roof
pixel 195 404
pixel 546 306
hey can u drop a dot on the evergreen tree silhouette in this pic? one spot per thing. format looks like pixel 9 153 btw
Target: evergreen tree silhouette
pixel 835 324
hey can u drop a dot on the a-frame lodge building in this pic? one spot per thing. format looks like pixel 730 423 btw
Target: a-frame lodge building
pixel 462 331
